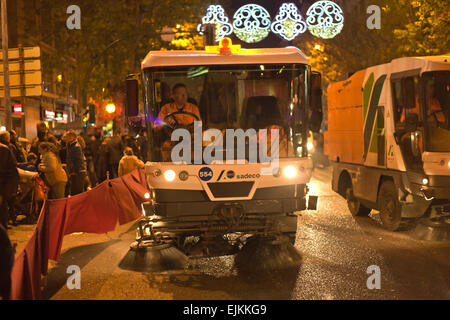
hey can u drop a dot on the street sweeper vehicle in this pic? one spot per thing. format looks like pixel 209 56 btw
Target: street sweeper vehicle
pixel 227 130
pixel 389 141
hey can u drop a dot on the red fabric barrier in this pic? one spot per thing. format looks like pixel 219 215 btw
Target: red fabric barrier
pixel 94 211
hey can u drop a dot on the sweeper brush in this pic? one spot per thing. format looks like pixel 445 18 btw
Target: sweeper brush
pixel 261 255
pixel 432 229
pixel 150 256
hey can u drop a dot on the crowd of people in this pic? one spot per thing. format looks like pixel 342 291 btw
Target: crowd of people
pixel 68 164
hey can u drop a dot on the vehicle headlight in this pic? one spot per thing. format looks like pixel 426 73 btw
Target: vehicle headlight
pixel 157 173
pixel 147 195
pixel 290 172
pixel 169 175
pixel 425 181
pixel 183 175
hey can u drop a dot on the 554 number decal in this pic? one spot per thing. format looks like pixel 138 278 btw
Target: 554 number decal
pixel 205 174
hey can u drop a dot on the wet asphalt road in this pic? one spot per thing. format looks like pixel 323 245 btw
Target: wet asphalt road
pixel 336 251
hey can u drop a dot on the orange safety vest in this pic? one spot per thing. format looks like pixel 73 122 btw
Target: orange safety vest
pixel 183 119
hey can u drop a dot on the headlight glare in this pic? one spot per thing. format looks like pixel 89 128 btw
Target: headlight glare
pixel 290 172
pixel 169 175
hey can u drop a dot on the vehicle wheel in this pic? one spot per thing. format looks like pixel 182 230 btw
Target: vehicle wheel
pixel 389 206
pixel 354 205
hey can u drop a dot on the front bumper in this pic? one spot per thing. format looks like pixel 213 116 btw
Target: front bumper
pixel 180 209
pixel 174 203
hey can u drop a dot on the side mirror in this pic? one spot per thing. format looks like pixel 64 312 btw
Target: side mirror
pixel 416 148
pixel 315 112
pixel 132 107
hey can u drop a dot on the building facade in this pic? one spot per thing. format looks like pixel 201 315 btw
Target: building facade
pixel 32 23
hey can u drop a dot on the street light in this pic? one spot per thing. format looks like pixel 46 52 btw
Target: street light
pixel 318 47
pixel 111 108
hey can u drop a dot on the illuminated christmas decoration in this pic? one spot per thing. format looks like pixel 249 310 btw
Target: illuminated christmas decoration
pixel 289 22
pixel 325 19
pixel 215 14
pixel 251 23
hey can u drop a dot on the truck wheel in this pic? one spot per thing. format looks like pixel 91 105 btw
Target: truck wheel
pixel 389 206
pixel 354 205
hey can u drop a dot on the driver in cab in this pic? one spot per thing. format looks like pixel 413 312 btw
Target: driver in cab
pixel 180 112
pixel 186 110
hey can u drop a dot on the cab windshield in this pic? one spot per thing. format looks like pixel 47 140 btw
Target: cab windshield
pixel 437 111
pixel 227 97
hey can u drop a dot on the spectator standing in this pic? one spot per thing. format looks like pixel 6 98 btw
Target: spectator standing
pixel 25 144
pixel 129 162
pixel 102 161
pixel 9 181
pixel 43 135
pixel 54 173
pixel 5 138
pixel 130 141
pixel 115 149
pixel 87 180
pixel 76 163
pixel 17 149
pixel 91 154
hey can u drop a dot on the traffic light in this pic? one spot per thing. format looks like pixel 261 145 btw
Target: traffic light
pixel 91 112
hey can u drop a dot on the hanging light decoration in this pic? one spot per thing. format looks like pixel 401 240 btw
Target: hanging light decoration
pixel 325 19
pixel 289 22
pixel 251 23
pixel 215 14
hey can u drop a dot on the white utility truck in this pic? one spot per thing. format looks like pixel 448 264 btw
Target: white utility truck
pixel 389 139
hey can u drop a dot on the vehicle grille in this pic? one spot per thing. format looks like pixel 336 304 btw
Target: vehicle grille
pixel 230 189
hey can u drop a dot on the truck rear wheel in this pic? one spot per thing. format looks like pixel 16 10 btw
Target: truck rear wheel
pixel 389 206
pixel 354 205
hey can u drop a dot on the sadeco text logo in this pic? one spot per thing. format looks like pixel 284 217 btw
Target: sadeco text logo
pixel 205 174
pixel 249 176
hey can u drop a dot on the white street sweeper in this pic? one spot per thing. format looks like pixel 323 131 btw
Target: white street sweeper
pixel 227 130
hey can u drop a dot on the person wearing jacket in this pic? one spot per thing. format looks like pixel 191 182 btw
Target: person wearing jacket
pixel 129 162
pixel 9 182
pixel 76 163
pixel 19 151
pixel 52 168
pixel 43 135
pixel 5 138
pixel 115 149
